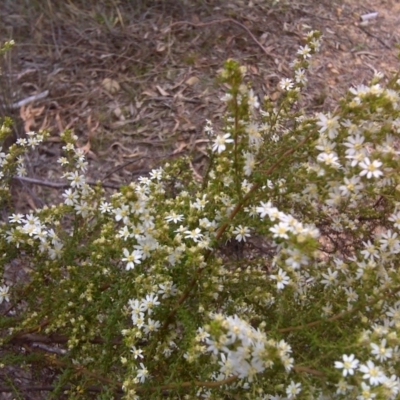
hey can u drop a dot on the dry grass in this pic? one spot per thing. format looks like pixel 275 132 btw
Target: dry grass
pixel 136 79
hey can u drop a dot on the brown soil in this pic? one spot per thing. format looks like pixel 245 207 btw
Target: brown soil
pixel 135 80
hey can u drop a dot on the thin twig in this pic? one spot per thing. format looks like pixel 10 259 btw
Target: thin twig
pixel 222 21
pixel 56 185
pixel 308 370
pixel 30 338
pixel 97 389
pixel 338 316
pixel 315 323
pixel 49 349
pixel 374 36
pixel 49 388
pixel 223 228
pixel 173 154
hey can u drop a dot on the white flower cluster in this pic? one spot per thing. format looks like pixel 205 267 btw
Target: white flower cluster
pixel 356 152
pixel 4 293
pixel 141 311
pixel 29 228
pixel 242 350
pixel 31 141
pixel 374 378
pixel 287 224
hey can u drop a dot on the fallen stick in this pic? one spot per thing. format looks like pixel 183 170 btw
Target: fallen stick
pixel 28 100
pixel 367 17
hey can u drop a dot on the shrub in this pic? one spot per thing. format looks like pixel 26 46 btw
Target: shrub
pixel 274 275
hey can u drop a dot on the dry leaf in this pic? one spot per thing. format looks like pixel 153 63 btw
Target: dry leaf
pixel 264 37
pixel 195 19
pixel 229 40
pixel 118 113
pixel 59 123
pixel 160 47
pixel 253 69
pixel 196 175
pixel 192 80
pixel 86 148
pixel 150 93
pixel 131 110
pixel 111 85
pixel 28 115
pixel 91 132
pixel 162 91
pixel 274 96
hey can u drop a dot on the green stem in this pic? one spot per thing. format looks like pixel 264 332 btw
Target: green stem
pixel 223 228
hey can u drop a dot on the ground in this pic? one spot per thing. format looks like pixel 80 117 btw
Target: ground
pixel 136 80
